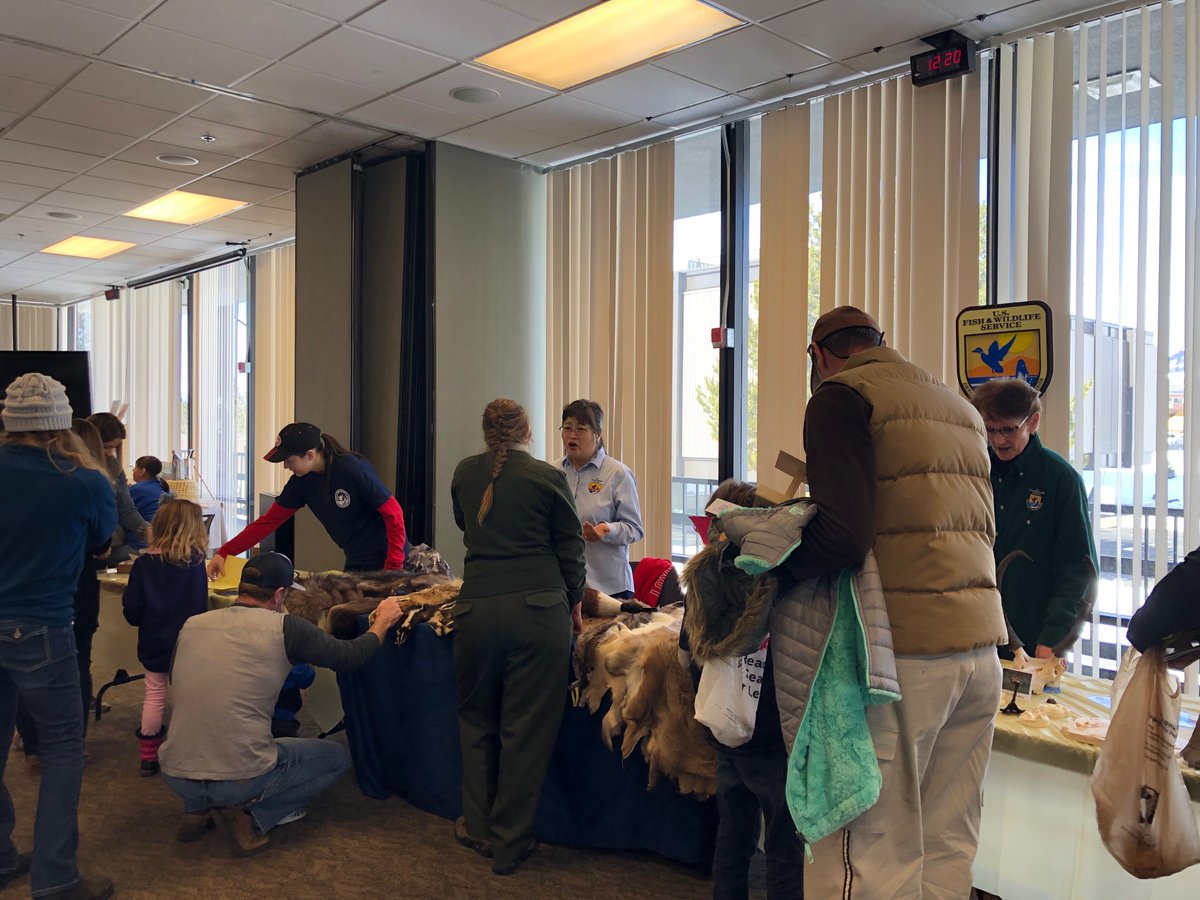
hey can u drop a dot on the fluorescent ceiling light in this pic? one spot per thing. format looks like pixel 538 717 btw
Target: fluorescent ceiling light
pixel 88 247
pixel 1117 84
pixel 604 38
pixel 186 208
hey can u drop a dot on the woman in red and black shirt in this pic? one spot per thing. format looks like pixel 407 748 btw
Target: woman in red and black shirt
pixel 343 492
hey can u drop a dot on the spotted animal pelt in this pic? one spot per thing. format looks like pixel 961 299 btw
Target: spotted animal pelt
pixel 325 590
pixel 635 658
pixel 434 605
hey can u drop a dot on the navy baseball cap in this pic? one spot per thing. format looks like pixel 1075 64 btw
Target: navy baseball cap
pixel 270 571
pixel 294 440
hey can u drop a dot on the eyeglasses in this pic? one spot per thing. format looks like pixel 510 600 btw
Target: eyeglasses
pixel 575 429
pixel 1007 430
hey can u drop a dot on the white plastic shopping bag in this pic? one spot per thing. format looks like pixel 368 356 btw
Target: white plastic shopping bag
pixel 727 698
pixel 1142 805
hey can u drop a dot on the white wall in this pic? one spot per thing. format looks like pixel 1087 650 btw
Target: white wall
pixel 490 295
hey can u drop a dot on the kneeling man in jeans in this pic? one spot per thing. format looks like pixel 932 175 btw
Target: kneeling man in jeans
pixel 229 666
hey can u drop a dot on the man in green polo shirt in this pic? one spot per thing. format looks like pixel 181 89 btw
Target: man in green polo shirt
pixel 1041 521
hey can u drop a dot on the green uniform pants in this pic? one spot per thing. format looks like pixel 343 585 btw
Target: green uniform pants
pixel 511 653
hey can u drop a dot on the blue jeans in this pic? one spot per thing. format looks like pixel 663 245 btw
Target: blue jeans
pixel 38 663
pixel 306 767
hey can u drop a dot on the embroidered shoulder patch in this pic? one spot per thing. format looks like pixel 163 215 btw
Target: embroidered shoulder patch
pixel 341 497
pixel 595 486
pixel 1034 501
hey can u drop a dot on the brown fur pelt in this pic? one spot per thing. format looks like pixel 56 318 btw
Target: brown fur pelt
pixel 419 606
pixel 635 657
pixel 325 590
pixel 727 610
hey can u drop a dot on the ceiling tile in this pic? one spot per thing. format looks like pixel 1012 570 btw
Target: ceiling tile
pixel 556 155
pixel 104 114
pixel 435 91
pixel 230 140
pixel 888 57
pixel 44 230
pixel 256 26
pixel 126 9
pixel 367 59
pixel 46 157
pixel 797 84
pixel 32 175
pixel 126 229
pixel 185 57
pixel 37 65
pixel 758 10
pixel 398 114
pixel 263 117
pixel 147 152
pixel 17 95
pixel 567 118
pixel 7 118
pixel 297 154
pixel 86 218
pixel 58 24
pixel 157 175
pixel 265 215
pixel 107 80
pixel 646 91
pixel 702 112
pixel 307 90
pixel 822 26
pixel 344 136
pixel 283 201
pixel 234 190
pixel 462 29
pixel 330 9
pixel 82 202
pixel 741 59
pixel 67 137
pixel 23 192
pixel 184 244
pixel 1026 15
pixel 546 11
pixel 10 206
pixel 112 189
pixel 627 134
pixel 223 229
pixel 499 139
pixel 260 173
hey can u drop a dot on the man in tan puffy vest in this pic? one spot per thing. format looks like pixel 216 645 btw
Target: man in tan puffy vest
pixel 898 462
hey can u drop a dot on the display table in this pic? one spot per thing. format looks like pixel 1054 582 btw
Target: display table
pixel 1038 837
pixel 403 731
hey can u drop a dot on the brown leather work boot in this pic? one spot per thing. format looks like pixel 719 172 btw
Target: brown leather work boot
pixel 238 824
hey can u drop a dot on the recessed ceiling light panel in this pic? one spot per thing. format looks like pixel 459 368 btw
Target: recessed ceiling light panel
pixel 87 247
pixel 177 159
pixel 607 37
pixel 186 208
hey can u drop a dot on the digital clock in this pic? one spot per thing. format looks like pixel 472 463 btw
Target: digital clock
pixel 941 63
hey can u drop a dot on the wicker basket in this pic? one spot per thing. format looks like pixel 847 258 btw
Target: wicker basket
pixel 184 490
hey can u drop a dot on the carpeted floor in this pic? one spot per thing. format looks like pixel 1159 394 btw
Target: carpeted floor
pixel 347 846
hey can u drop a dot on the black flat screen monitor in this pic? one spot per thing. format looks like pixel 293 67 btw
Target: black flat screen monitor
pixel 67 366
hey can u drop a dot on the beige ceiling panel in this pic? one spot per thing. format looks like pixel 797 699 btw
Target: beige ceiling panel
pixel 256 26
pixel 500 139
pixel 265 215
pixel 128 9
pixel 297 154
pixel 743 58
pixel 1024 15
pixel 24 192
pixel 568 118
pixel 7 118
pixel 341 10
pixel 155 252
pixel 147 152
pixel 265 118
pixel 67 137
pixel 32 175
pixel 758 10
pixel 556 155
pixel 215 233
pixel 112 189
pixel 82 202
pixel 45 230
pixel 252 171
pixel 283 201
pixel 888 57
pixel 111 80
pixel 367 59
pixel 797 84
pixel 10 206
pixel 46 157
pixel 230 140
pixel 343 136
pixel 53 203
pixel 186 57
pixel 162 177
pixel 184 245
pixel 18 95
pixel 823 26
pixel 646 91
pixel 104 114
pixel 307 90
pixel 38 65
pixel 58 24
pixel 435 91
pixel 233 190
pixel 547 11
pixel 124 228
pixel 722 106
pixel 462 29
pixel 398 114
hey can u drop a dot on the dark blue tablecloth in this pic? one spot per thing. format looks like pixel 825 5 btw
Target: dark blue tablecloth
pixel 403 734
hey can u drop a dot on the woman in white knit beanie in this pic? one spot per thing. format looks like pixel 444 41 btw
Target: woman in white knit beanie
pixel 57 506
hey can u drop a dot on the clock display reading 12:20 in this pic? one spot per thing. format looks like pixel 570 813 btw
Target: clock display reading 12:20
pixel 942 63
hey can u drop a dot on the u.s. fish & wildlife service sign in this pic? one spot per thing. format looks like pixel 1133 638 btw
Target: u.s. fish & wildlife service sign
pixel 1012 340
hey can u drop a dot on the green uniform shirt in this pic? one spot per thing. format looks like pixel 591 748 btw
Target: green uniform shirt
pixel 1041 509
pixel 531 539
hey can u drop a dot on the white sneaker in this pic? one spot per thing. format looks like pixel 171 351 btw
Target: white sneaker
pixel 293 817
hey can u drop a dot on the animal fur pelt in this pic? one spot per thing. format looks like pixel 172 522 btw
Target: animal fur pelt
pixel 420 605
pixel 323 591
pixel 728 611
pixel 597 604
pixel 653 699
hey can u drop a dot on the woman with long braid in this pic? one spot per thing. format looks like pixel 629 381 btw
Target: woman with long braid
pixel 522 584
